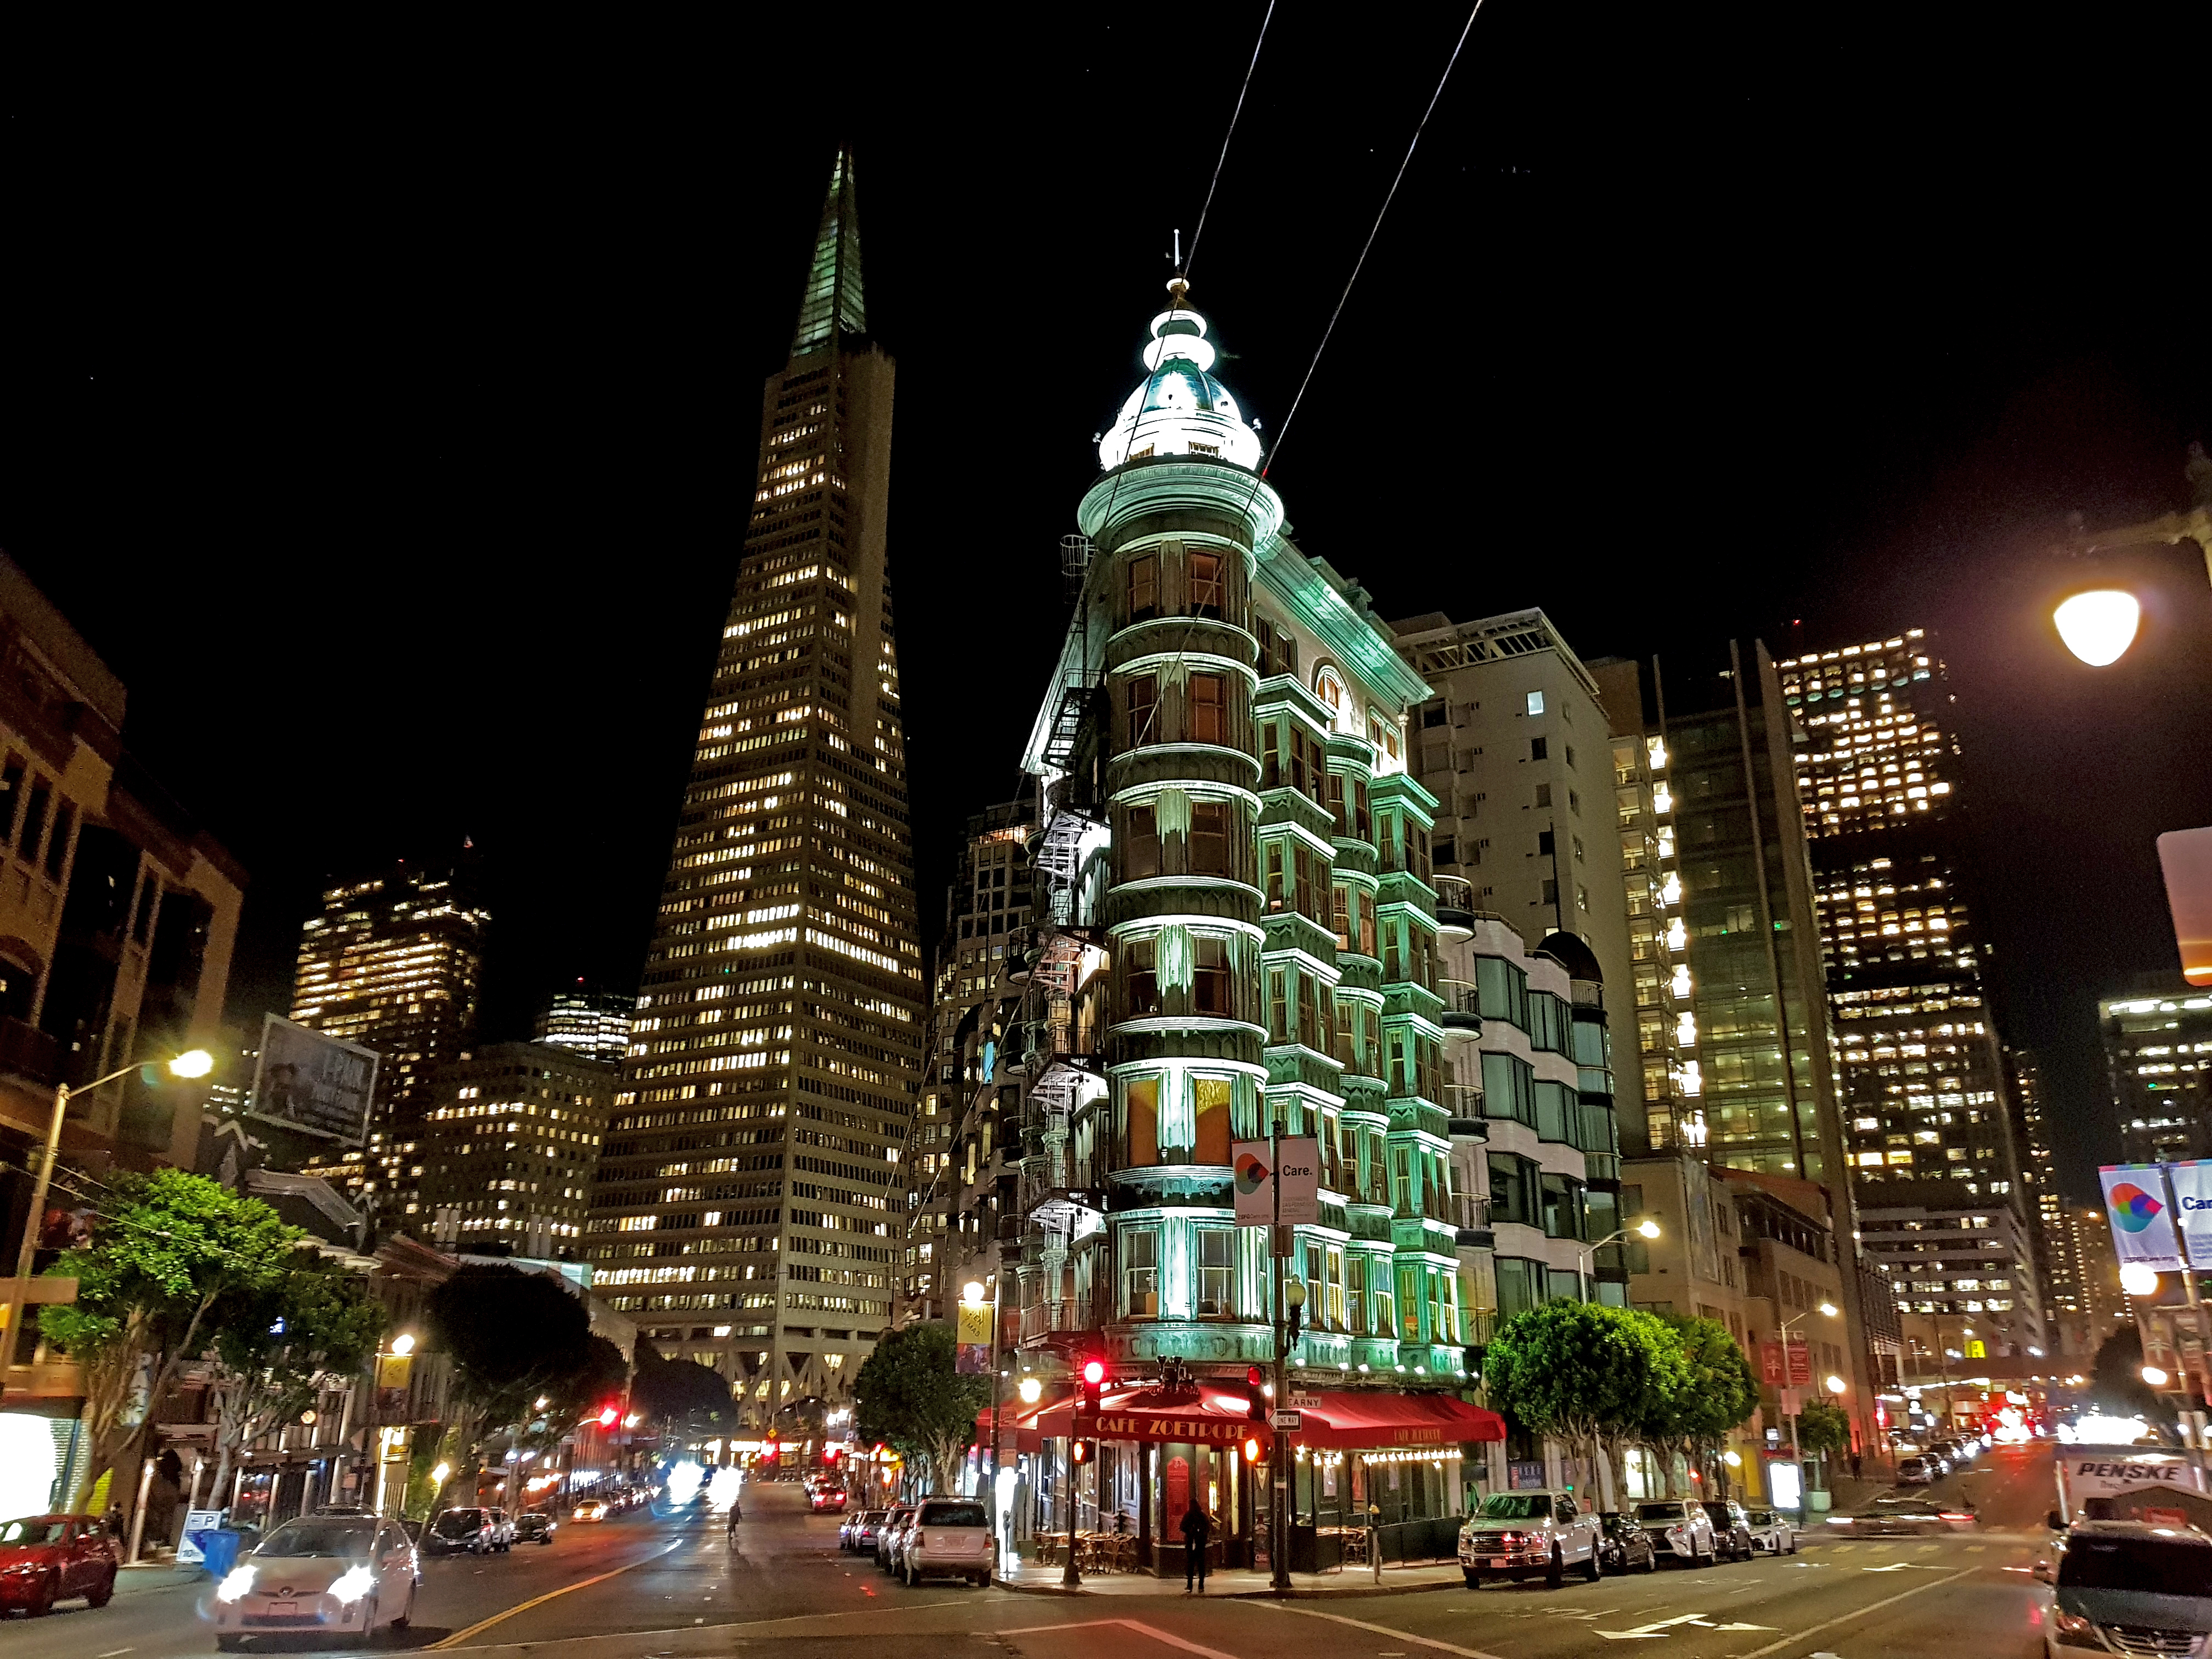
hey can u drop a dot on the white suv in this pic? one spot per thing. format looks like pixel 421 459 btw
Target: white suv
pixel 948 1538
pixel 1520 1534
pixel 1680 1529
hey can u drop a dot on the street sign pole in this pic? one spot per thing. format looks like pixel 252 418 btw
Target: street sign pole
pixel 1279 1547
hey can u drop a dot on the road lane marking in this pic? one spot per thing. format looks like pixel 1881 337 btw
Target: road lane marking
pixel 1382 1630
pixel 1657 1630
pixel 1130 1624
pixel 1846 1618
pixel 461 1636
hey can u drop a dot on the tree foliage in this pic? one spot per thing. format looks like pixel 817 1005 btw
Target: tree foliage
pixel 168 1250
pixel 274 1342
pixel 909 1396
pixel 513 1336
pixel 1823 1427
pixel 1714 1390
pixel 2116 1384
pixel 679 1396
pixel 1585 1374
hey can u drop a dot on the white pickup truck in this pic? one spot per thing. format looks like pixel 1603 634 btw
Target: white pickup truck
pixel 1521 1534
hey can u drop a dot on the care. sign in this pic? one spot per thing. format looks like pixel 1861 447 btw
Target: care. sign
pixel 1260 1167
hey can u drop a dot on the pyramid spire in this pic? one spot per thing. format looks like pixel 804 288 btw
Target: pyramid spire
pixel 833 301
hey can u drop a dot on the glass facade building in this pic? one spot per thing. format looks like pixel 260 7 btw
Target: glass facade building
pixel 751 1178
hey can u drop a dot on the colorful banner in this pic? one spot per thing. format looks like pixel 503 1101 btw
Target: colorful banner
pixel 2142 1222
pixel 2191 1185
pixel 1257 1168
pixel 972 1328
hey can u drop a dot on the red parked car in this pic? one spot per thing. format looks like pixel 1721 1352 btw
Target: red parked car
pixel 45 1559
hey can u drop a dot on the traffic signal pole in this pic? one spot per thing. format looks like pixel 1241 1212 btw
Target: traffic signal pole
pixel 1278 1530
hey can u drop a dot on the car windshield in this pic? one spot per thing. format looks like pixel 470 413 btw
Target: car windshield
pixel 1517 1506
pixel 458 1523
pixel 2175 1568
pixel 336 1538
pixel 1659 1512
pixel 873 1517
pixel 954 1515
pixel 34 1532
pixel 1760 1517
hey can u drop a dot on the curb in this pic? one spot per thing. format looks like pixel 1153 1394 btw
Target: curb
pixel 1294 1594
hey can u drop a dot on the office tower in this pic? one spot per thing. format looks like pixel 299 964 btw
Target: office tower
pixel 392 963
pixel 956 1172
pixel 1717 823
pixel 2042 1201
pixel 118 914
pixel 2158 1062
pixel 2106 1307
pixel 1929 1115
pixel 510 1138
pixel 1514 746
pixel 782 1006
pixel 594 1024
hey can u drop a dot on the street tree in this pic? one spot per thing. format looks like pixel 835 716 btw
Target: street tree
pixel 273 1343
pixel 2116 1384
pixel 1823 1427
pixel 1583 1374
pixel 681 1397
pixel 909 1396
pixel 1714 1391
pixel 166 1249
pixel 512 1336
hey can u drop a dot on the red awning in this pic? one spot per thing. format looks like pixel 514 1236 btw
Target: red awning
pixel 1344 1420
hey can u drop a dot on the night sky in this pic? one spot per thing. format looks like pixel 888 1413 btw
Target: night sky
pixel 383 407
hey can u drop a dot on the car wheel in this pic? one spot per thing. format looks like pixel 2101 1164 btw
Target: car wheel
pixel 1555 1574
pixel 1591 1568
pixel 1793 1543
pixel 42 1599
pixel 1473 1578
pixel 100 1595
pixel 1651 1562
pixel 1705 1560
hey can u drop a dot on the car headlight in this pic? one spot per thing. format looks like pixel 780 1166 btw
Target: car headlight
pixel 236 1584
pixel 2072 1623
pixel 354 1584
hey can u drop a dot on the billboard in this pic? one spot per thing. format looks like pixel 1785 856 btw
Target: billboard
pixel 2142 1222
pixel 2191 1186
pixel 314 1083
pixel 1257 1168
pixel 2185 857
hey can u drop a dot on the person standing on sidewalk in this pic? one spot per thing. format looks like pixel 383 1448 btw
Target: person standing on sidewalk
pixel 1854 1462
pixel 1197 1532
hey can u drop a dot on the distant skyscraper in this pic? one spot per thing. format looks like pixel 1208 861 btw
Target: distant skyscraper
pixel 394 963
pixel 1928 1116
pixel 591 1023
pixel 510 1137
pixel 2055 1257
pixel 782 997
pixel 2158 1058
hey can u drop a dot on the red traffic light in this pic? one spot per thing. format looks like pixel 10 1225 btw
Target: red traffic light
pixel 1255 1375
pixel 607 1416
pixel 830 1454
pixel 1094 1372
pixel 1081 1451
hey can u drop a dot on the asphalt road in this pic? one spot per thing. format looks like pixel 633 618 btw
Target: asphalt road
pixel 645 1587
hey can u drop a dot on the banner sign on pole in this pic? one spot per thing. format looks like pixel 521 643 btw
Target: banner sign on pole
pixel 1770 1365
pixel 1294 1162
pixel 1801 1362
pixel 972 1330
pixel 2191 1185
pixel 2142 1224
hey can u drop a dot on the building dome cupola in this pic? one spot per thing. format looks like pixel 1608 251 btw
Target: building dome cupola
pixel 1180 408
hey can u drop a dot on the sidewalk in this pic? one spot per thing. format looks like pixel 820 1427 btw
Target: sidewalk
pixel 156 1574
pixel 1241 1583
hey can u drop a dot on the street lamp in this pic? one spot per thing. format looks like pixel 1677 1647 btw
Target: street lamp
pixel 2098 626
pixel 192 1063
pixel 2155 1376
pixel 2138 1280
pixel 1828 1310
pixel 1646 1228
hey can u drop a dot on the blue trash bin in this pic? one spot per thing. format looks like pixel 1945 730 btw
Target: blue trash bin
pixel 220 1550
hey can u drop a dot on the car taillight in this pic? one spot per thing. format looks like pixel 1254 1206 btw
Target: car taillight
pixel 1947 1516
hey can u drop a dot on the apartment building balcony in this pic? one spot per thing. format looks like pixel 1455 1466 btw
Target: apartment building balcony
pixel 1463 1119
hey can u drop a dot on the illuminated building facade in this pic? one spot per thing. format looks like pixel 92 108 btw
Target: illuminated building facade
pixel 751 1172
pixel 1237 925
pixel 1514 746
pixel 2158 1059
pixel 593 1023
pixel 392 963
pixel 510 1138
pixel 117 915
pixel 1929 1116
pixel 959 1179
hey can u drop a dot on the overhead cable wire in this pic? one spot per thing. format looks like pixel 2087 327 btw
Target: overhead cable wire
pixel 1222 160
pixel 1283 431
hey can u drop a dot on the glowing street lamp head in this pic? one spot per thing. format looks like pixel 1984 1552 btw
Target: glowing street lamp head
pixel 1031 1390
pixel 2155 1376
pixel 2098 627
pixel 2139 1280
pixel 1648 1227
pixel 404 1344
pixel 1836 1385
pixel 972 1292
pixel 193 1062
pixel 1828 1309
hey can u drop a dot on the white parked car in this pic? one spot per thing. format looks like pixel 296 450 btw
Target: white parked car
pixel 1527 1534
pixel 1681 1530
pixel 346 1574
pixel 1771 1533
pixel 948 1538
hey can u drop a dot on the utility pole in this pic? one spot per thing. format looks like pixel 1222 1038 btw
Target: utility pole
pixel 1278 1530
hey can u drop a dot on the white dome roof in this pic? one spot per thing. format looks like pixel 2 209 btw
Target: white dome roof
pixel 1180 408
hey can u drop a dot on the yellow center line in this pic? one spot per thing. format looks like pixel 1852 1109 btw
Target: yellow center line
pixel 461 1636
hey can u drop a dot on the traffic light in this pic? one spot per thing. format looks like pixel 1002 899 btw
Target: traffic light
pixel 1257 1411
pixel 1256 1448
pixel 1082 1451
pixel 1093 1377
